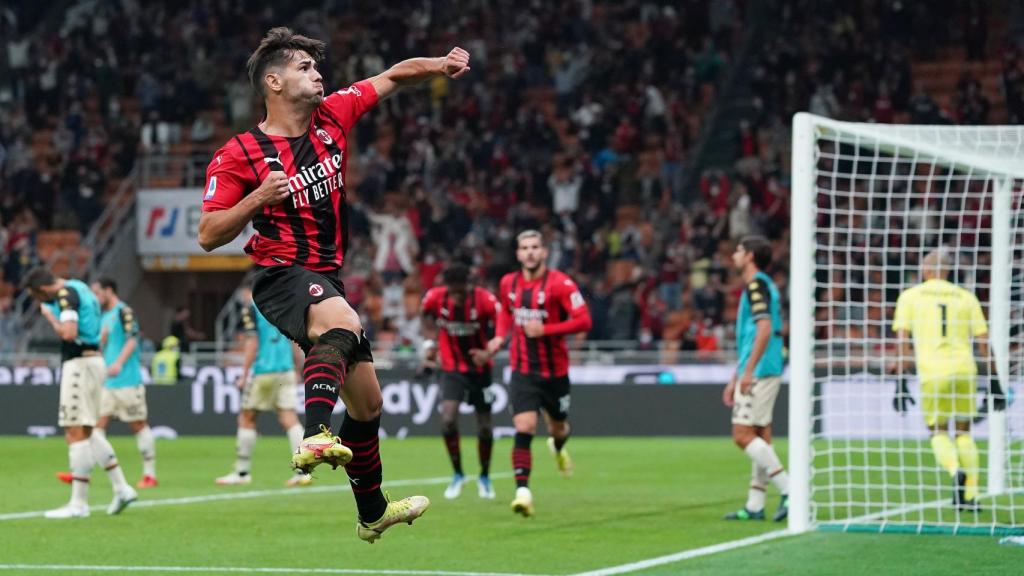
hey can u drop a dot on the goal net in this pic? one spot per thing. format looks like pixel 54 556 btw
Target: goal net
pixel 870 202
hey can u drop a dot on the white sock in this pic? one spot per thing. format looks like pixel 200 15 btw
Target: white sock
pixel 245 444
pixel 80 460
pixel 758 481
pixel 147 449
pixel 104 456
pixel 764 455
pixel 295 436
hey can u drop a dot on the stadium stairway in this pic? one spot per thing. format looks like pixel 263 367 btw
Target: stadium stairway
pixel 718 143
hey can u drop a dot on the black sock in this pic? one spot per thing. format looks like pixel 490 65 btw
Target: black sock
pixel 522 459
pixel 324 375
pixel 484 443
pixel 451 442
pixel 365 472
pixel 559 442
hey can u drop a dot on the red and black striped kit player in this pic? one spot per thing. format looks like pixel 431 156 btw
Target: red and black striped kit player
pixel 539 308
pixel 460 317
pixel 287 177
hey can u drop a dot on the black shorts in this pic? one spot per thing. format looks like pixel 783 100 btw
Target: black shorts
pixel 532 393
pixel 283 294
pixel 470 387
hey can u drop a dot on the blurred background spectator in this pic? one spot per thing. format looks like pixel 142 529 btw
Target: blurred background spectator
pixel 642 137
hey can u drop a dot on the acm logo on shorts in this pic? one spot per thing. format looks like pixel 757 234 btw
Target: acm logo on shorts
pixel 315 290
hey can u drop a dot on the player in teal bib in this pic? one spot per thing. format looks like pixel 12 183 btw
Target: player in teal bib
pixel 275 350
pixel 74 302
pixel 124 396
pixel 73 312
pixel 121 327
pixel 754 387
pixel 760 301
pixel 267 383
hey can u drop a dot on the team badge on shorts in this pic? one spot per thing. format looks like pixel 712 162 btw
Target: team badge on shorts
pixel 315 290
pixel 324 136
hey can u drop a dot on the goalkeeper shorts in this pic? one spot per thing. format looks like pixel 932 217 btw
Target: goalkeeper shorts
pixel 948 398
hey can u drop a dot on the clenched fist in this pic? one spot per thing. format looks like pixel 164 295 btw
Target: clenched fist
pixel 273 190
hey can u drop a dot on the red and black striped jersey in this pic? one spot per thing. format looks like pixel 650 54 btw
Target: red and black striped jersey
pixel 554 300
pixel 309 229
pixel 461 326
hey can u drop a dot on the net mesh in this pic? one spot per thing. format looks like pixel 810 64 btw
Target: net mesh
pixel 885 197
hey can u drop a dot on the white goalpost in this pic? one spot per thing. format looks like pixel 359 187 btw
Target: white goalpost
pixel 869 201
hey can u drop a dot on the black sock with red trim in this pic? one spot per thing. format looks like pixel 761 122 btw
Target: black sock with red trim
pixel 522 459
pixel 324 374
pixel 365 472
pixel 484 444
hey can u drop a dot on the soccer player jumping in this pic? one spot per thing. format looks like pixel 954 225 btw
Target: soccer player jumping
pixel 286 175
pixel 754 387
pixel 942 318
pixel 539 308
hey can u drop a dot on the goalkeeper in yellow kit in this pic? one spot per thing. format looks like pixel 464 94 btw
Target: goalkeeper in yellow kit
pixel 943 319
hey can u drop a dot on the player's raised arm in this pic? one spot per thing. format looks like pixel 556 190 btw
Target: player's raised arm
pixel 418 70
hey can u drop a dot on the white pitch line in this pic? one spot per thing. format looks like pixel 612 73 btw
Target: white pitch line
pixel 250 494
pixel 247 570
pixel 687 554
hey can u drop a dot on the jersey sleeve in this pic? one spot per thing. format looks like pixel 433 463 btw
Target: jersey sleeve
pixel 247 320
pixel 128 323
pixel 760 299
pixel 979 325
pixel 228 178
pixel 902 319
pixel 572 301
pixel 571 298
pixel 488 306
pixel 431 305
pixel 68 304
pixel 503 325
pixel 347 105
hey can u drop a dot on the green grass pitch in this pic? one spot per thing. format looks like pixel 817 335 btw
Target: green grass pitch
pixel 630 500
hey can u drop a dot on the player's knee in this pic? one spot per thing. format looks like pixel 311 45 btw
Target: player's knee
pixel 365 409
pixel 77 434
pixel 559 429
pixel 742 437
pixel 336 345
pixel 526 427
pixel 485 432
pixel 448 426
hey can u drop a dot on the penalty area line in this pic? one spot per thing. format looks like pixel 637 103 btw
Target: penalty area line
pixel 228 495
pixel 245 570
pixel 687 554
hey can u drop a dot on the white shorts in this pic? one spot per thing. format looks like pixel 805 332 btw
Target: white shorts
pixel 125 404
pixel 275 391
pixel 81 387
pixel 756 407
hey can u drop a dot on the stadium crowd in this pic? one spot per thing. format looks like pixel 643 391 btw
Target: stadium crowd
pixel 579 119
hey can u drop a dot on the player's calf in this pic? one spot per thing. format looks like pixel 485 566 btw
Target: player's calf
pixel 324 375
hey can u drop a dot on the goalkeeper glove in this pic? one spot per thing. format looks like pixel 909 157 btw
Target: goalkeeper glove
pixel 998 396
pixel 902 400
